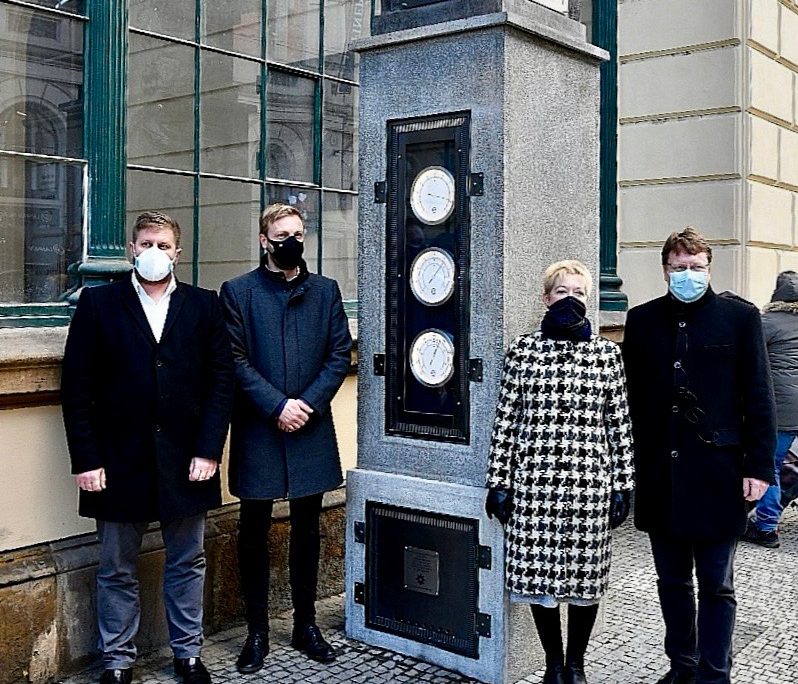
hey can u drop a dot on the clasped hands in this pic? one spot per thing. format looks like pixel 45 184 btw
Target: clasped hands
pixel 499 503
pixel 295 414
pixel 200 469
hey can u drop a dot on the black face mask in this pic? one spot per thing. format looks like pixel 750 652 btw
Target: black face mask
pixel 287 253
pixel 565 320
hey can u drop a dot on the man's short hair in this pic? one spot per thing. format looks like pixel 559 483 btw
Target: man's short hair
pixel 567 267
pixel 157 220
pixel 274 212
pixel 689 240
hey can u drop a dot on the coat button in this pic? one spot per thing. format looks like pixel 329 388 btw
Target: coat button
pixel 677 364
pixel 157 428
pixel 675 408
pixel 159 363
pixel 674 454
pixel 682 324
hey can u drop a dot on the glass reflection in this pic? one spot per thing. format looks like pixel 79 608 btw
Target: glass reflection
pixel 233 25
pixel 71 6
pixel 41 83
pixel 290 103
pixel 294 29
pixel 229 212
pixel 339 141
pixel 339 256
pixel 307 202
pixel 169 17
pixel 230 115
pixel 41 230
pixel 171 194
pixel 344 21
pixel 160 103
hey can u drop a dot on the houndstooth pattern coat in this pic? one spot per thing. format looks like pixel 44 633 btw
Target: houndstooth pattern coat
pixel 562 443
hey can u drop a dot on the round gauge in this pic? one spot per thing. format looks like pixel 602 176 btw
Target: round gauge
pixel 432 276
pixel 432 195
pixel 432 357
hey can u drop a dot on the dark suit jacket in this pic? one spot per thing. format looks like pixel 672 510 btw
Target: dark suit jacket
pixel 289 340
pixel 141 409
pixel 693 450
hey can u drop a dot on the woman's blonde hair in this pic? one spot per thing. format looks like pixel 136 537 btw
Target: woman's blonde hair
pixel 567 267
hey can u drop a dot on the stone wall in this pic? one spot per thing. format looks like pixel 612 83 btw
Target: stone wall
pixel 47 591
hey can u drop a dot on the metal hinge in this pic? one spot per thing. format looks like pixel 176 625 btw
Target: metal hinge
pixel 360 593
pixel 476 185
pixel 380 192
pixel 360 532
pixel 483 625
pixel 484 557
pixel 379 364
pixel 475 370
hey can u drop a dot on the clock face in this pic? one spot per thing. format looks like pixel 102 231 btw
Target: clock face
pixel 432 358
pixel 432 276
pixel 432 195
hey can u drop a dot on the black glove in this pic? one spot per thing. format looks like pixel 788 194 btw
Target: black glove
pixel 498 503
pixel 619 509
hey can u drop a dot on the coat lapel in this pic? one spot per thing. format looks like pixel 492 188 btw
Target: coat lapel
pixel 133 305
pixel 175 304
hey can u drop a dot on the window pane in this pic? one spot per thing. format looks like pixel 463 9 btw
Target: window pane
pixel 72 6
pixel 339 256
pixel 232 25
pixel 294 32
pixel 169 17
pixel 160 103
pixel 229 212
pixel 41 83
pixel 339 138
pixel 290 105
pixel 230 115
pixel 307 201
pixel 344 21
pixel 171 194
pixel 41 230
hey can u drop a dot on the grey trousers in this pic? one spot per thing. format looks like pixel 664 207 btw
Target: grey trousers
pixel 118 608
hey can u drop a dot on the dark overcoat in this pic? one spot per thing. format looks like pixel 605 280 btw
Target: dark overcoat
pixel 703 416
pixel 290 340
pixel 143 409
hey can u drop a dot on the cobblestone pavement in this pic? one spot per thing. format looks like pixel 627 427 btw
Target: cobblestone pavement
pixel 627 651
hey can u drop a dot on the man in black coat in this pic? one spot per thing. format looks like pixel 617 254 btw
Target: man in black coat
pixel 704 431
pixel 147 391
pixel 291 347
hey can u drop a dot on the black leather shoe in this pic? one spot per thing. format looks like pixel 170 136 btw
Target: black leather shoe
pixel 554 674
pixel 256 648
pixel 675 677
pixel 308 639
pixel 192 671
pixel 574 673
pixel 117 676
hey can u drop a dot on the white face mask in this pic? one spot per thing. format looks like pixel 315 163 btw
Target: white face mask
pixel 154 264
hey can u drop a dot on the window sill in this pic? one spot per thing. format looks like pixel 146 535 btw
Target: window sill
pixel 30 365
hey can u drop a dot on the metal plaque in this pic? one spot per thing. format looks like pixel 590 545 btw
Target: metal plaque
pixel 421 571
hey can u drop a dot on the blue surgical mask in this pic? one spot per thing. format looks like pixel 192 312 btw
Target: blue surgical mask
pixel 688 286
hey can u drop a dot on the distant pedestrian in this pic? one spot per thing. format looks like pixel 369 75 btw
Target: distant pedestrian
pixel 780 328
pixel 703 417
pixel 560 468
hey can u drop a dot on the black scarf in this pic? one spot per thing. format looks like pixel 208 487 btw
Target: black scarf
pixel 565 320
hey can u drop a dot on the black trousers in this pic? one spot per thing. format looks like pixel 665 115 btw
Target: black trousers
pixel 303 558
pixel 702 645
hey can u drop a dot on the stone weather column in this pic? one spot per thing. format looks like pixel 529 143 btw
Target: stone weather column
pixel 479 166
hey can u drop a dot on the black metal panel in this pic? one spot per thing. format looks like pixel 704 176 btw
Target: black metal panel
pixel 413 409
pixel 436 553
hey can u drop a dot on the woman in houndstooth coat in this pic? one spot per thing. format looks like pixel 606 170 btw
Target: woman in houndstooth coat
pixel 560 467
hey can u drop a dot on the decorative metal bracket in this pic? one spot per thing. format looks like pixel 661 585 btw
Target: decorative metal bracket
pixel 380 192
pixel 379 364
pixel 476 185
pixel 475 370
pixel 360 594
pixel 484 557
pixel 360 532
pixel 483 625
